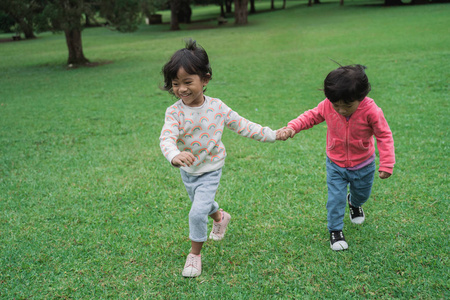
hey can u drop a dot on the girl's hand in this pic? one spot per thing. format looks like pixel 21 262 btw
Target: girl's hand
pixel 384 175
pixel 183 159
pixel 285 133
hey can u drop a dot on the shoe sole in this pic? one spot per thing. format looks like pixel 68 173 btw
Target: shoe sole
pixel 338 246
pixel 358 220
pixel 215 237
pixel 191 272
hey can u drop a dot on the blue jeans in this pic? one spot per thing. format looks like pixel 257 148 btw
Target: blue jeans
pixel 202 191
pixel 338 179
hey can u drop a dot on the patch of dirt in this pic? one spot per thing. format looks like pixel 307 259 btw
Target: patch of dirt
pixel 90 64
pixel 10 40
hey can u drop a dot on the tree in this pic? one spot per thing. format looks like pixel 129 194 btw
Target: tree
pixel 252 7
pixel 67 16
pixel 174 9
pixel 123 15
pixel 180 12
pixel 241 12
pixel 23 12
pixel 6 22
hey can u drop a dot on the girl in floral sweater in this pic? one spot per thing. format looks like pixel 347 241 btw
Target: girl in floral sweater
pixel 353 119
pixel 191 139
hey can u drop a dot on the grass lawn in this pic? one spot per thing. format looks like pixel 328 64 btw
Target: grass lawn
pixel 90 208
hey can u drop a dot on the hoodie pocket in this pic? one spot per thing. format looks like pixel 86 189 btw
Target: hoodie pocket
pixel 336 149
pixel 359 145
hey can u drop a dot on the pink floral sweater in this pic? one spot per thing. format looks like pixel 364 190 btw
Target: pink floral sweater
pixel 351 142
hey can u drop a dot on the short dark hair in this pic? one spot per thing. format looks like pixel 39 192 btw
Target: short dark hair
pixel 347 83
pixel 193 59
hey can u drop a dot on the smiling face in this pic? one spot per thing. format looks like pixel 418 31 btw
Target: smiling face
pixel 189 88
pixel 345 109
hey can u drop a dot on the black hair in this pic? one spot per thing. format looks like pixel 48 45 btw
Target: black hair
pixel 347 83
pixel 193 59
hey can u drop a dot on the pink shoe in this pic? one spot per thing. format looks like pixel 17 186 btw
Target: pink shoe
pixel 219 228
pixel 193 266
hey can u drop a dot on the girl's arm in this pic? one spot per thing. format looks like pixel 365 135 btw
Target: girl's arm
pixel 169 135
pixel 385 142
pixel 308 119
pixel 247 128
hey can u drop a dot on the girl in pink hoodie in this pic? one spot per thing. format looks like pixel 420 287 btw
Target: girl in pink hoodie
pixel 353 119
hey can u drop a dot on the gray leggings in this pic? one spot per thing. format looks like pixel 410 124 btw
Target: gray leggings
pixel 202 191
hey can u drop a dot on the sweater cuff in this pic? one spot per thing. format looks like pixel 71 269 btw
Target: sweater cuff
pixel 171 156
pixel 386 169
pixel 292 126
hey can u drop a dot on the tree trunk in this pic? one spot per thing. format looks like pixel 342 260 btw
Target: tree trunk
pixel 27 30
pixel 73 40
pixel 252 7
pixel 284 4
pixel 228 4
pixel 341 2
pixel 174 9
pixel 25 26
pixel 272 4
pixel 222 9
pixel 241 12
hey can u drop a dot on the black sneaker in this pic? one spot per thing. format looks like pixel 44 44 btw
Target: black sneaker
pixel 337 240
pixel 356 213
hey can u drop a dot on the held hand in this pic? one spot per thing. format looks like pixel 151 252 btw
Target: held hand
pixel 285 133
pixel 384 175
pixel 280 135
pixel 183 159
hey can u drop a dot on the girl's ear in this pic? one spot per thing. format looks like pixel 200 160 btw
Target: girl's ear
pixel 206 79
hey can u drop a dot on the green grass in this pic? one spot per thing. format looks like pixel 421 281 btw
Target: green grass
pixel 90 208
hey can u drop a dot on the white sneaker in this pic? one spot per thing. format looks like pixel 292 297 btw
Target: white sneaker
pixel 337 241
pixel 193 266
pixel 218 231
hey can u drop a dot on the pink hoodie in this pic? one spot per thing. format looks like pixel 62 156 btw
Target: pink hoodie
pixel 351 142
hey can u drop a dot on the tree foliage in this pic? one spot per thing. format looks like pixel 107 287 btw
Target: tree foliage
pixel 123 15
pixel 24 13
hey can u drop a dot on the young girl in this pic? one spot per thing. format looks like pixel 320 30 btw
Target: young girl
pixel 352 120
pixel 191 139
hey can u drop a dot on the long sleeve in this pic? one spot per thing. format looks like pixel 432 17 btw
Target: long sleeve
pixel 169 135
pixel 385 141
pixel 246 128
pixel 308 119
pixel 199 130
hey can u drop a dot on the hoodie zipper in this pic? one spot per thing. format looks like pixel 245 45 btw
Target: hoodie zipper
pixel 347 140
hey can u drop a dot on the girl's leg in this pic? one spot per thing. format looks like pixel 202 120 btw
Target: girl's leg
pixel 202 190
pixel 217 216
pixel 196 247
pixel 337 192
pixel 361 185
